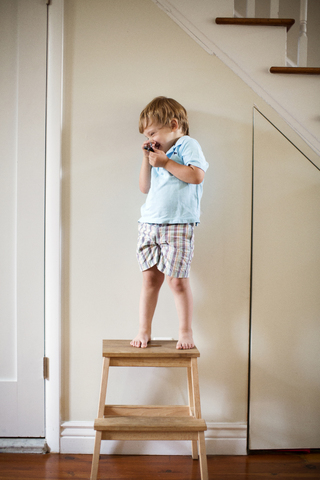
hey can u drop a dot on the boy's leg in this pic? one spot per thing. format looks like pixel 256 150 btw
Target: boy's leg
pixel 184 303
pixel 152 279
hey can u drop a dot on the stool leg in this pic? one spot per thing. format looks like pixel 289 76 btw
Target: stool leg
pixel 103 388
pixel 203 457
pixel 194 450
pixel 191 405
pixel 102 402
pixel 96 455
pixel 195 387
pixel 195 394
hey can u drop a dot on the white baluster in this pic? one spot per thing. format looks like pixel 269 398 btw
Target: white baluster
pixel 236 14
pixel 303 39
pixel 251 8
pixel 274 8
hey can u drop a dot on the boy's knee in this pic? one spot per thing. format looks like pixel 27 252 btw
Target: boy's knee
pixel 153 279
pixel 177 284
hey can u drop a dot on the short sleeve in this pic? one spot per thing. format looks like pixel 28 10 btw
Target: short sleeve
pixel 191 153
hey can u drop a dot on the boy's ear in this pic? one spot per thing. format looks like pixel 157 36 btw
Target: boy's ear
pixel 174 124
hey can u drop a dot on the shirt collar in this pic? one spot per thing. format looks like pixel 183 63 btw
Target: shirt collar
pixel 174 147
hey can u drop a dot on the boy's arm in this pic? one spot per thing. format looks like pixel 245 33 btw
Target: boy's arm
pixel 145 174
pixel 186 173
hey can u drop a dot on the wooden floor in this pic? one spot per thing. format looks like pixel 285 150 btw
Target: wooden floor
pixel 116 467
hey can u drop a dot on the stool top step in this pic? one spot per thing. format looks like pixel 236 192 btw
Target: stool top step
pixel 161 348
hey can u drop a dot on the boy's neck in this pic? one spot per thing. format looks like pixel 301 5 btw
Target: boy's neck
pixel 175 139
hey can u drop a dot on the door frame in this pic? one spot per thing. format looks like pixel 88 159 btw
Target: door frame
pixel 53 223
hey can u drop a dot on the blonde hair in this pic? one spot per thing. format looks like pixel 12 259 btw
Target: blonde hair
pixel 162 110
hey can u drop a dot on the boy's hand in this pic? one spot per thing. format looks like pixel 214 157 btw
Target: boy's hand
pixel 158 159
pixel 145 150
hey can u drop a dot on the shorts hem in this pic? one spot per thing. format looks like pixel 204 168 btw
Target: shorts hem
pixel 164 271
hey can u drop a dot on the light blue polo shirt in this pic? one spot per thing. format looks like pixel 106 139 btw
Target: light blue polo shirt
pixel 171 200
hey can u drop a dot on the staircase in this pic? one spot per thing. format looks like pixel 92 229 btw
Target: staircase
pixel 256 50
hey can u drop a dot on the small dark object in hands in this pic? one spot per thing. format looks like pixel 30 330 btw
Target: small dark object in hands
pixel 149 147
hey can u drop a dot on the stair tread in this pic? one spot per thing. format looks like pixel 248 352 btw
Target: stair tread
pixel 271 22
pixel 149 424
pixel 296 70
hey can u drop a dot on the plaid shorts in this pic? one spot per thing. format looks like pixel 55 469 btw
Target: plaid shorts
pixel 170 247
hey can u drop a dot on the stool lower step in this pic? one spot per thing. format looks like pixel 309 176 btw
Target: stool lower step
pixel 148 411
pixel 150 424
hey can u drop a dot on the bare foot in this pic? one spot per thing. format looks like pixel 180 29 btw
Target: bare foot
pixel 141 340
pixel 185 341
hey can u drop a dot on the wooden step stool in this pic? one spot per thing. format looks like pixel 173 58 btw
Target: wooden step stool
pixel 150 422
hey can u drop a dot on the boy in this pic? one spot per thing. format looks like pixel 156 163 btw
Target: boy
pixel 172 173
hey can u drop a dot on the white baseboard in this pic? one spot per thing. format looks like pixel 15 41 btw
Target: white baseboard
pixel 221 439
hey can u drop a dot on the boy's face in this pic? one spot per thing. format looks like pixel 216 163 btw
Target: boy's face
pixel 162 137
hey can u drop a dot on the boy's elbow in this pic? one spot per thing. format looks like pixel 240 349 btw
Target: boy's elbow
pixel 144 189
pixel 199 176
pixel 198 181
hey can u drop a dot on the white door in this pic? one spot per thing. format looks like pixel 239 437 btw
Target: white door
pixel 285 333
pixel 23 31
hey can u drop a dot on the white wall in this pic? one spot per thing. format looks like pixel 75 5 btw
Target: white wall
pixel 118 56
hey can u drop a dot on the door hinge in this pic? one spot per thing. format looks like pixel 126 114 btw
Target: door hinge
pixel 45 368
